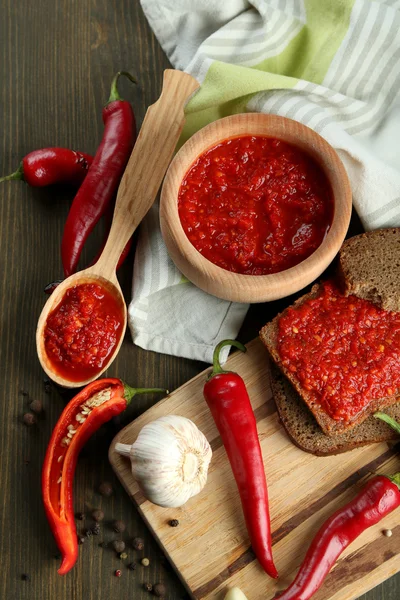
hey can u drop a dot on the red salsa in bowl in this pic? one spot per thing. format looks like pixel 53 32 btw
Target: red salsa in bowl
pixel 255 205
pixel 82 331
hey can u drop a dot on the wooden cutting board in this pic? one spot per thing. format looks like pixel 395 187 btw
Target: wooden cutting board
pixel 210 549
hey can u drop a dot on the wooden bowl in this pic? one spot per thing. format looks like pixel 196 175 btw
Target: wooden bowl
pixel 253 288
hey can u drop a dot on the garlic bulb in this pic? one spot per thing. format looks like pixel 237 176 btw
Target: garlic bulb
pixel 170 460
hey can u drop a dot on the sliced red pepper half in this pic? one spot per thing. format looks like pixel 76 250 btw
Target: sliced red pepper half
pixel 96 404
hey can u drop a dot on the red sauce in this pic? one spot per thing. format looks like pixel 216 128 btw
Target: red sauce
pixel 255 205
pixel 82 332
pixel 344 351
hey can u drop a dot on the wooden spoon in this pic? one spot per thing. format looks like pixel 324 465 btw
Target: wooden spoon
pixel 140 183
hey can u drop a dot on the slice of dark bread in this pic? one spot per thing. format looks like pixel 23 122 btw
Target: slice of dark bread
pixel 304 431
pixel 330 426
pixel 369 266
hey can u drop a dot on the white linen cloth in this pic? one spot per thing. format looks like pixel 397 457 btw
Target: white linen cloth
pixel 334 66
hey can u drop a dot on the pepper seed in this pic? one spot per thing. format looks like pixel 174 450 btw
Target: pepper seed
pixel 387 532
pixel 98 515
pixel 145 562
pixel 81 539
pixel 138 543
pixel 105 488
pixel 119 546
pixel 36 406
pixel 29 419
pixel 123 555
pixel 47 386
pixel 174 523
pixel 119 526
pixel 159 590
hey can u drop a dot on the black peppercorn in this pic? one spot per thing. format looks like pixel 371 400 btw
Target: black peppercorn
pixel 119 526
pixel 88 532
pixel 103 545
pixel 138 543
pixel 96 529
pixel 29 419
pixel 80 516
pixel 105 488
pixel 36 406
pixel 47 386
pixel 132 566
pixel 98 515
pixel 148 587
pixel 25 577
pixel 119 546
pixel 159 590
pixel 174 523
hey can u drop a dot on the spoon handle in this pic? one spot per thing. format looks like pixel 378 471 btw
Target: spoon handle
pixel 147 165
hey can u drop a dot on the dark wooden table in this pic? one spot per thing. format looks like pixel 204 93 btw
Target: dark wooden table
pixel 57 60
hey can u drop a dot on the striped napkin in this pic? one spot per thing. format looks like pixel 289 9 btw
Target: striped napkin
pixel 332 65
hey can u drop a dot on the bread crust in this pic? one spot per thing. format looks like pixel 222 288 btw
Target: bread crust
pixel 304 431
pixel 369 267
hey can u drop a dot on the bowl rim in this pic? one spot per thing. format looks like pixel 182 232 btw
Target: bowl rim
pixel 245 287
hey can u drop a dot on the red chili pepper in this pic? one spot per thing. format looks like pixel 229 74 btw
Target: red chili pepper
pixel 377 499
pixel 101 183
pixel 227 398
pixel 49 166
pixel 97 403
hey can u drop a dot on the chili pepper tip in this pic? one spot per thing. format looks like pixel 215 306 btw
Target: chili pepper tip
pixel 114 94
pixel 17 175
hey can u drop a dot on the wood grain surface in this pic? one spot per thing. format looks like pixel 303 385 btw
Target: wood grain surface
pixel 211 549
pixel 57 60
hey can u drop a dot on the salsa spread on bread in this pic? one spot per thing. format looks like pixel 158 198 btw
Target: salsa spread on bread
pixel 344 351
pixel 255 205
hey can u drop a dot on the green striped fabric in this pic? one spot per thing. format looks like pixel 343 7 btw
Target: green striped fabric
pixel 332 65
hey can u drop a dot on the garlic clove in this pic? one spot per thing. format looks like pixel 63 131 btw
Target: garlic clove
pixel 235 594
pixel 170 460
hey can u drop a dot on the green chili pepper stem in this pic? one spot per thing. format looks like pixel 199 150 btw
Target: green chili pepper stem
pixel 114 94
pixel 389 420
pixel 17 175
pixel 216 364
pixel 396 426
pixel 394 479
pixel 130 392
